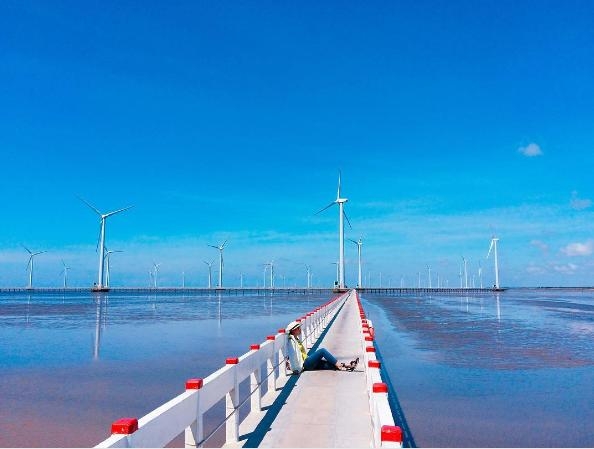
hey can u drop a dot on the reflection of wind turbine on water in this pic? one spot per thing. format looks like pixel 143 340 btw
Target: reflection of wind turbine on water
pixel 98 317
pixel 341 216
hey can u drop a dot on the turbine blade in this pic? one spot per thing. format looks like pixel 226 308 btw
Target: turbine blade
pixel 347 218
pixel 224 243
pixel 329 205
pixel 490 248
pixel 98 239
pixel 338 192
pixel 212 246
pixel 28 250
pixel 116 211
pixel 89 204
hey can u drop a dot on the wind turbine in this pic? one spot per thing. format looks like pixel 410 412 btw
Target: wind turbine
pixel 465 273
pixel 341 216
pixel 156 271
pixel 429 276
pixel 30 264
pixel 359 245
pixel 100 286
pixel 65 273
pixel 337 270
pixel 264 279
pixel 209 272
pixel 271 265
pixel 493 247
pixel 480 274
pixel 308 269
pixel 107 258
pixel 220 248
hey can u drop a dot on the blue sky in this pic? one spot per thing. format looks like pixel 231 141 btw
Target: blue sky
pixel 450 121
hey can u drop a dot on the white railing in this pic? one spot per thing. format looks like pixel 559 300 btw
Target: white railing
pixel 185 413
pixel 385 432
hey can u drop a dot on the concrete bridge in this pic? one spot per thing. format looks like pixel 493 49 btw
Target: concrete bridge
pixel 323 408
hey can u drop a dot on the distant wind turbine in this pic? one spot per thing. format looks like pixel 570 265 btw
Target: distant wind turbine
pixel 465 273
pixel 359 245
pixel 429 276
pixel 100 286
pixel 209 264
pixel 493 247
pixel 308 269
pixel 65 273
pixel 156 272
pixel 220 248
pixel 272 277
pixel 107 259
pixel 341 216
pixel 337 269
pixel 30 264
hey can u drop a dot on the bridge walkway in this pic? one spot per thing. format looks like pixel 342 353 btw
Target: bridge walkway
pixel 319 408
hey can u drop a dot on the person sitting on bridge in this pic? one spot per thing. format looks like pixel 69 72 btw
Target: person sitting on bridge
pixel 321 358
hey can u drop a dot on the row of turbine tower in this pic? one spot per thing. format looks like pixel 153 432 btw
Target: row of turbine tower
pixel 102 283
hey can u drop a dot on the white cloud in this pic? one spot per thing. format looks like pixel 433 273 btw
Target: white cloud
pixel 579 249
pixel 569 268
pixel 579 203
pixel 535 269
pixel 540 245
pixel 531 150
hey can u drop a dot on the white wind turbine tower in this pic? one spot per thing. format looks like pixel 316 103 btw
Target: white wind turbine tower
pixel 429 276
pixel 480 274
pixel 156 272
pixel 341 216
pixel 493 247
pixel 337 269
pixel 465 273
pixel 359 245
pixel 308 269
pixel 271 265
pixel 100 286
pixel 220 248
pixel 30 264
pixel 209 264
pixel 107 258
pixel 65 273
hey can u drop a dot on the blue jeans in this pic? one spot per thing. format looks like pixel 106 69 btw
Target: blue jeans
pixel 320 359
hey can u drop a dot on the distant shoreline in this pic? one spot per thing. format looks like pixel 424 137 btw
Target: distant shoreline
pixel 286 290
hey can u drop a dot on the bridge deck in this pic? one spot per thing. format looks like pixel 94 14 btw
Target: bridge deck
pixel 319 408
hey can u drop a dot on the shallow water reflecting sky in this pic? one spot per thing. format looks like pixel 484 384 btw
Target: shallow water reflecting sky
pixel 508 370
pixel 72 364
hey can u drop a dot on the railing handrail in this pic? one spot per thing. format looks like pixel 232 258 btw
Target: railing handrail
pixel 186 411
pixel 385 432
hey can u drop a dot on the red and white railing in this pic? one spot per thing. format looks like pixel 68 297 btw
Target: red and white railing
pixel 385 432
pixel 185 413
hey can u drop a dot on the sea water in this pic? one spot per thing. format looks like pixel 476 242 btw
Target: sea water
pixel 71 364
pixel 505 370
pixel 514 369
